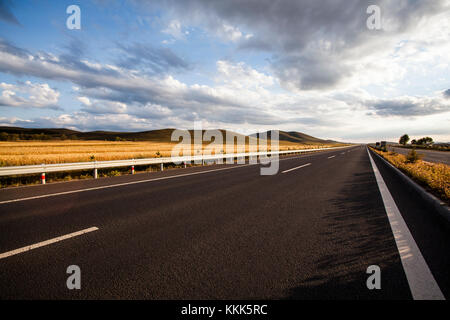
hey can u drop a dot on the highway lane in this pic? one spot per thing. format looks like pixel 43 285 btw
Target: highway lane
pixel 428 155
pixel 306 233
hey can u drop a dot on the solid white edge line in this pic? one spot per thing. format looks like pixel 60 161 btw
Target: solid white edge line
pixel 46 243
pixel 421 282
pixel 331 157
pixel 304 165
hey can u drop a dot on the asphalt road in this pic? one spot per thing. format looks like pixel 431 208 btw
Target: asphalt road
pixel 219 232
pixel 428 155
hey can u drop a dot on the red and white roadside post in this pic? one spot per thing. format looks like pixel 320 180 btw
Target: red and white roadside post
pixel 43 177
pixel 132 169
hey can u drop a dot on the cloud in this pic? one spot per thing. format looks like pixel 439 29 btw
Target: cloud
pixel 28 95
pixel 150 59
pixel 175 30
pixel 240 75
pixel 84 121
pixel 240 97
pixel 6 12
pixel 409 106
pixel 85 101
pixel 121 84
pixel 315 45
pixel 446 93
pixel 402 106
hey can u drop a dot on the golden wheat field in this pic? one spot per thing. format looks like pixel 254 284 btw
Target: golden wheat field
pixel 18 153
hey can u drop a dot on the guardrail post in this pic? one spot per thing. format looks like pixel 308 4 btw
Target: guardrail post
pixel 43 177
pixel 162 166
pixel 95 170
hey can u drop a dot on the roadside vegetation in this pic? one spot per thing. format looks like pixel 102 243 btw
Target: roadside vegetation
pixel 435 177
pixel 422 143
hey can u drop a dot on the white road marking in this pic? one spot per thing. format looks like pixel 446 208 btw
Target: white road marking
pixel 331 157
pixel 119 184
pixel 304 165
pixel 421 282
pixel 46 243
pixel 134 182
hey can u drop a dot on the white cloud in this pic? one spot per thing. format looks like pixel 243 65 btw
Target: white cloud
pixel 231 33
pixel 85 101
pixel 175 30
pixel 239 75
pixel 29 94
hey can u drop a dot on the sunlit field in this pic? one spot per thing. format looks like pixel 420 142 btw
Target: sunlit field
pixel 37 152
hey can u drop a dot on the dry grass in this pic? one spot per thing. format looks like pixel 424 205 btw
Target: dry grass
pixel 37 152
pixel 435 176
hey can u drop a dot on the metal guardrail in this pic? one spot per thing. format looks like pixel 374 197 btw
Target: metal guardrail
pixel 59 167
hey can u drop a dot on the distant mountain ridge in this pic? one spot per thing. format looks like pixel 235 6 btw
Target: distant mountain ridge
pixel 296 137
pixel 159 135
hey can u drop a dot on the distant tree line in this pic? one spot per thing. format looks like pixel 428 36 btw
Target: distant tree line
pixel 4 136
pixel 425 141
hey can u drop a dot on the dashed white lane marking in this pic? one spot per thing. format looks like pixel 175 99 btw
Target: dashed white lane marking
pixel 304 165
pixel 421 282
pixel 46 243
pixel 331 157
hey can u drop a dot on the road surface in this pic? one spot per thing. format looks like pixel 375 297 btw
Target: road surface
pixel 428 155
pixel 222 232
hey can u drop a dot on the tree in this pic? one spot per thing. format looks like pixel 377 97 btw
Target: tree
pixel 3 136
pixel 425 141
pixel 413 141
pixel 404 139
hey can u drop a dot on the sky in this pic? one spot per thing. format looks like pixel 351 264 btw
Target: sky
pixel 306 65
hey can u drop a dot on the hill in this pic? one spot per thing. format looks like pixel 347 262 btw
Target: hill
pixel 161 135
pixel 297 137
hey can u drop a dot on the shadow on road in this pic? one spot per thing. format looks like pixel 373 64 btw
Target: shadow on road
pixel 358 236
